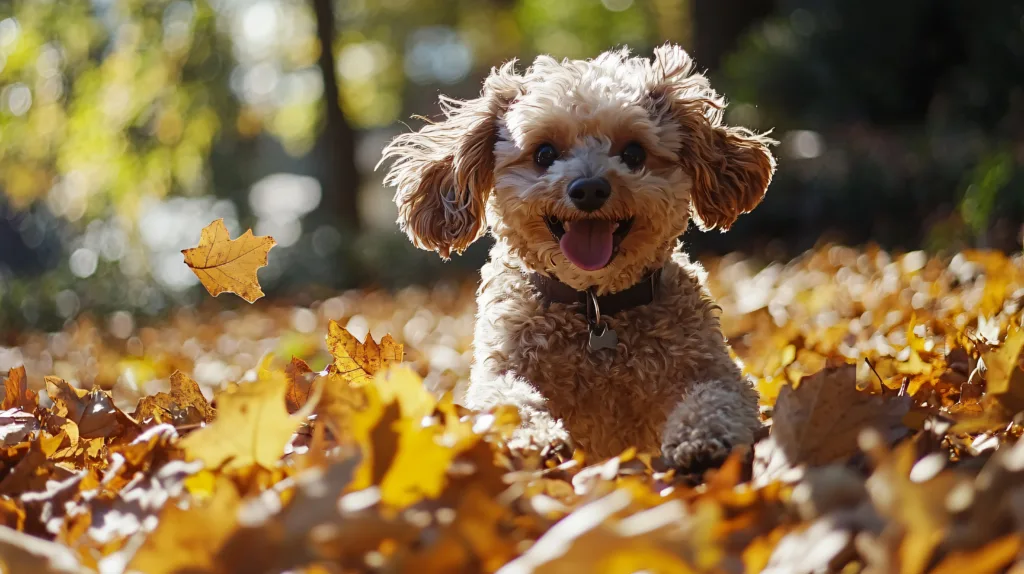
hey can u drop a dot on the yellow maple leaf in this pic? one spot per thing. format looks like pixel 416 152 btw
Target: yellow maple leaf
pixel 252 425
pixel 359 362
pixel 229 265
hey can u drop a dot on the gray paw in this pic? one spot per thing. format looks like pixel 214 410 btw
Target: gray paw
pixel 703 429
pixel 693 451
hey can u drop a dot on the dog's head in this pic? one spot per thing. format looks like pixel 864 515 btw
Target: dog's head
pixel 589 170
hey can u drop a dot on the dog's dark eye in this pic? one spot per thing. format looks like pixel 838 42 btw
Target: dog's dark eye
pixel 545 155
pixel 633 155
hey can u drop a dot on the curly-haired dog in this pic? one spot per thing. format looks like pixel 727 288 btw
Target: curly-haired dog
pixel 591 319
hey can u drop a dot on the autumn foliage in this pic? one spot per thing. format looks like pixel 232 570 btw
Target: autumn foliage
pixel 273 439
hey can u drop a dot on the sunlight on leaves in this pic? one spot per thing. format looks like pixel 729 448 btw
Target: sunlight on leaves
pixel 252 426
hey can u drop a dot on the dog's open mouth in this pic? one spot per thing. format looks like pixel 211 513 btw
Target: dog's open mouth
pixel 589 244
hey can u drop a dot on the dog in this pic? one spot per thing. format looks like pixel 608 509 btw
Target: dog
pixel 592 320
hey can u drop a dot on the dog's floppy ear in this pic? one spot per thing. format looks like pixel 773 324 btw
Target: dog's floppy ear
pixel 445 172
pixel 731 167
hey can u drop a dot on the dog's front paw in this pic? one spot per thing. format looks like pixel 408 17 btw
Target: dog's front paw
pixel 712 420
pixel 692 450
pixel 549 439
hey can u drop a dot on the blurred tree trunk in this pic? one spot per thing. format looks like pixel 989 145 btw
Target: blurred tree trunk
pixel 340 172
pixel 718 26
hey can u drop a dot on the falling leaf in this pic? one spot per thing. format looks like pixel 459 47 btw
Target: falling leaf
pixel 252 426
pixel 16 392
pixel 818 422
pixel 359 362
pixel 229 265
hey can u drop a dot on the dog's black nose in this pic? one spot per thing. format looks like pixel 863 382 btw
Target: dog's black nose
pixel 589 193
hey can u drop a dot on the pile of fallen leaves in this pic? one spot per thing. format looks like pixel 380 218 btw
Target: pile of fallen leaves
pixel 291 439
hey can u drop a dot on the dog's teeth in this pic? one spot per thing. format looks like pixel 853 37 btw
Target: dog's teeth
pixel 565 225
pixel 615 227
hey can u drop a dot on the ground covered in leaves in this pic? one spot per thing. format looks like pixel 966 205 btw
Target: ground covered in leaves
pixel 306 438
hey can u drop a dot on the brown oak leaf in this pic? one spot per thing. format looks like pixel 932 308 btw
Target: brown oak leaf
pixel 818 422
pixel 93 411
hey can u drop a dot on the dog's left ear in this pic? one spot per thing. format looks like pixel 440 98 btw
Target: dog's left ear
pixel 444 172
pixel 731 167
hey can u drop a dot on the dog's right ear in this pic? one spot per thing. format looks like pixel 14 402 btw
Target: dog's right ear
pixel 444 173
pixel 731 167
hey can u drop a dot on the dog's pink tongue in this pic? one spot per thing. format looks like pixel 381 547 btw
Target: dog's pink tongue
pixel 588 243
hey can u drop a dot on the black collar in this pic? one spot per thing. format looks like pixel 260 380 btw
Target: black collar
pixel 552 290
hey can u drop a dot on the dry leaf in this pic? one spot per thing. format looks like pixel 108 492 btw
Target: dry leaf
pixel 816 549
pixel 359 362
pixel 819 421
pixel 16 426
pixel 16 392
pixel 911 495
pixel 279 538
pixel 385 478
pixel 475 537
pixel 1003 377
pixel 300 383
pixel 92 411
pixel 406 457
pixel 12 513
pixel 189 540
pixel 252 426
pixel 184 405
pixel 588 540
pixel 990 559
pixel 20 552
pixel 229 265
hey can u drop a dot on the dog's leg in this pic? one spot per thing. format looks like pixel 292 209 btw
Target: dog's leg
pixel 714 417
pixel 537 429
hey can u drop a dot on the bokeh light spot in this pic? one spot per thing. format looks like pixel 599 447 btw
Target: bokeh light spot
pixel 83 262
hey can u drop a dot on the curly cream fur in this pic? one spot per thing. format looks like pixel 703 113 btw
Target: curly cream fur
pixel 476 171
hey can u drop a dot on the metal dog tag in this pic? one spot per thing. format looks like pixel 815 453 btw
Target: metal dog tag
pixel 606 339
